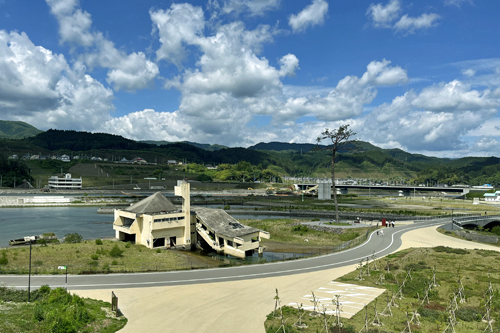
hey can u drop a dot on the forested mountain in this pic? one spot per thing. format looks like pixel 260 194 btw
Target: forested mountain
pixel 17 129
pixel 287 159
pixel 205 146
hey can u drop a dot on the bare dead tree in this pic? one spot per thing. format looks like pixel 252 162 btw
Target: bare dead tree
pixel 339 137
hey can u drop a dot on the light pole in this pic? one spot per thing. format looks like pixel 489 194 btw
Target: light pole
pixel 29 277
pixel 452 219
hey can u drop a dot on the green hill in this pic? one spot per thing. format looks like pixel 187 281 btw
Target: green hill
pixel 204 146
pixel 17 130
pixel 288 159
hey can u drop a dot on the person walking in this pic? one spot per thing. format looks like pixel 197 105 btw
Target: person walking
pixel 393 224
pixel 382 233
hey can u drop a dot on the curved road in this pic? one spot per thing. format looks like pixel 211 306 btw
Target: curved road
pixel 381 246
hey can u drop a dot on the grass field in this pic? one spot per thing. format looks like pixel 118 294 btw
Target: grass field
pixel 288 236
pixel 87 257
pixel 453 266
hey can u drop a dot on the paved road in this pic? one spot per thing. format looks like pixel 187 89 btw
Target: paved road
pixel 377 245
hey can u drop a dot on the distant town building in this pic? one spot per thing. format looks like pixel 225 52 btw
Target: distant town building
pixel 65 158
pixel 139 160
pixel 65 183
pixel 171 162
pixel 492 196
pixel 35 157
pixel 13 157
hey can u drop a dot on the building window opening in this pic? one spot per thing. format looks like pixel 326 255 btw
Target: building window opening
pixel 159 242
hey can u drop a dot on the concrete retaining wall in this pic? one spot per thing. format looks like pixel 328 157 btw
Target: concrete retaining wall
pixel 477 237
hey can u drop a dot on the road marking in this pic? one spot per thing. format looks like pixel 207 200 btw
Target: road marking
pixel 235 277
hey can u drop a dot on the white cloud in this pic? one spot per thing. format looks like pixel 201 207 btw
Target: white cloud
pixel 254 7
pixel 347 99
pixel 386 16
pixel 289 64
pixel 457 3
pixel 469 72
pixel 454 96
pixel 165 125
pixel 383 16
pixel 312 15
pixel 436 119
pixel 126 71
pixel 39 87
pixel 74 24
pixel 409 24
pixel 179 25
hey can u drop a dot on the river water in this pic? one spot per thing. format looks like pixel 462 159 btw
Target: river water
pixel 31 221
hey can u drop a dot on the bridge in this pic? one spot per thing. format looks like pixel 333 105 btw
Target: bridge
pixel 485 221
pixel 406 190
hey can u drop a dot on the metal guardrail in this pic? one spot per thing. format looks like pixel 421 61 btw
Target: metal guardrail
pixel 475 218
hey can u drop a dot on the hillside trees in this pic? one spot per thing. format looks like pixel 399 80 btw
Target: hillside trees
pixel 13 171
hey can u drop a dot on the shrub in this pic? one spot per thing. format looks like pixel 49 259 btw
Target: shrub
pixel 73 238
pixel 114 262
pixel 496 230
pixel 116 252
pixel 300 228
pixel 38 313
pixel 227 207
pixel 447 249
pixel 127 246
pixel 42 242
pixel 158 250
pixel 98 241
pixel 428 313
pixel 468 314
pixel 94 256
pixel 38 263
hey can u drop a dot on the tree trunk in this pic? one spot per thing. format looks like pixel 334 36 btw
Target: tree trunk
pixel 335 190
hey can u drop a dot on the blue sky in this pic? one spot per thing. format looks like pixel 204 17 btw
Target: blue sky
pixel 423 76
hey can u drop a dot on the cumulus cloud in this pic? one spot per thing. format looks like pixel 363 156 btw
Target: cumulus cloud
pixel 39 87
pixel 410 24
pixel 126 71
pixel 312 15
pixel 386 16
pixel 253 7
pixel 435 119
pixel 383 16
pixel 454 96
pixel 179 25
pixel 348 98
pixel 74 24
pixel 289 64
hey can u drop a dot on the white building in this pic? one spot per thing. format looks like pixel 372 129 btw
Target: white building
pixel 66 182
pixel 492 196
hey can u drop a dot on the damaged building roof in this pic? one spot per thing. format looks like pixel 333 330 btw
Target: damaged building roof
pixel 154 204
pixel 223 223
